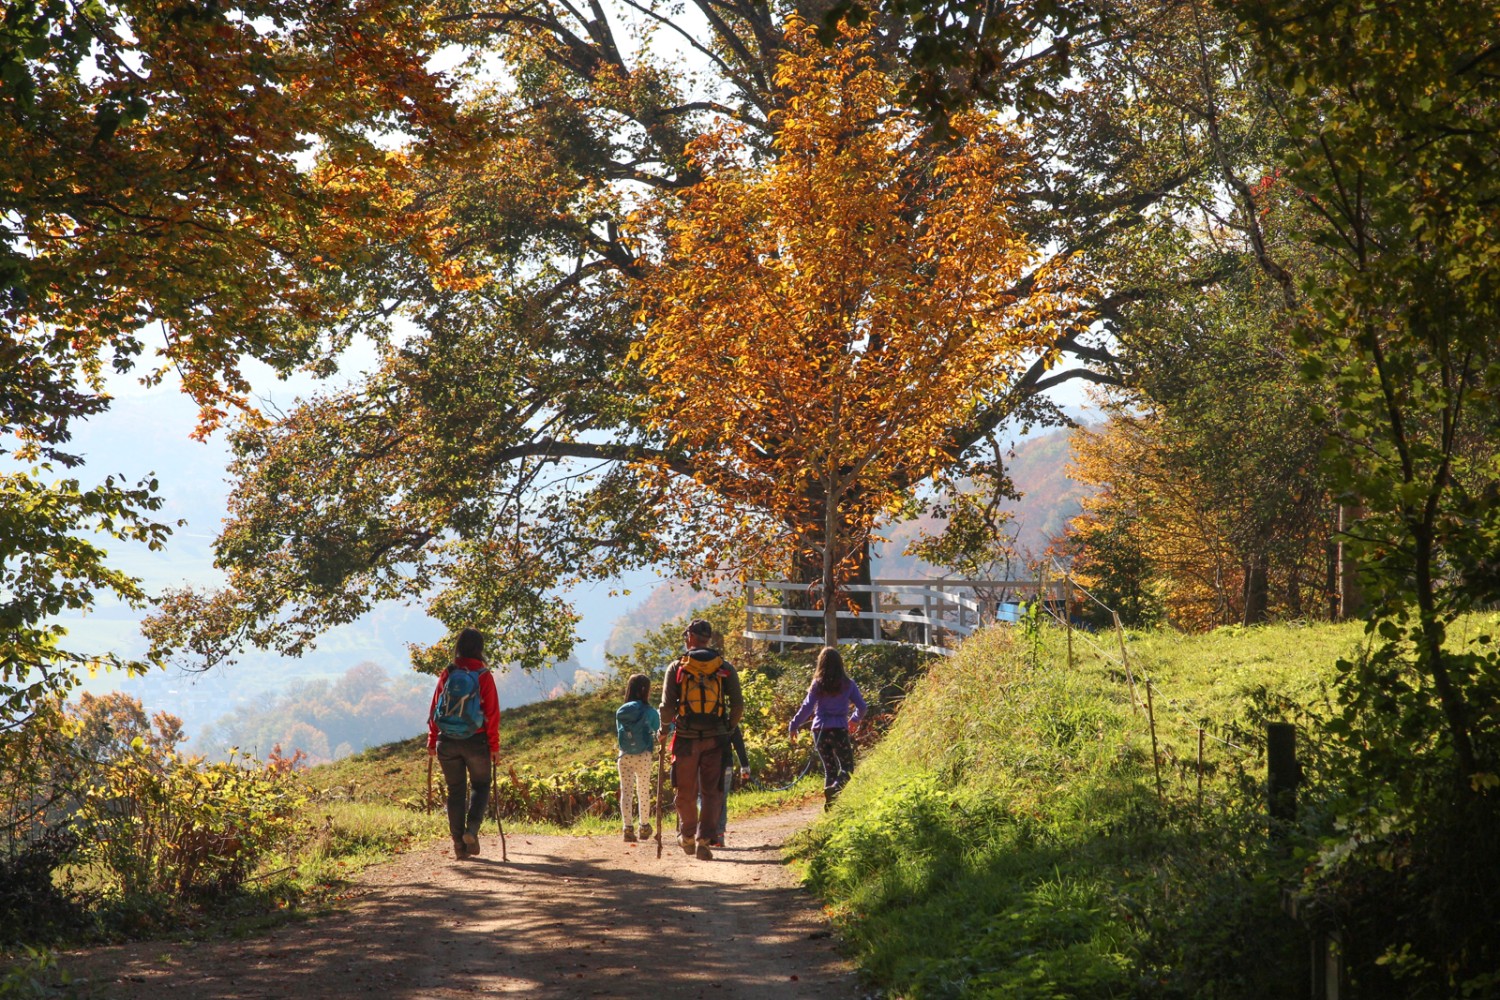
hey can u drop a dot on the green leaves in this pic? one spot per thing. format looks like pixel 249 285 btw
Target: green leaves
pixel 47 568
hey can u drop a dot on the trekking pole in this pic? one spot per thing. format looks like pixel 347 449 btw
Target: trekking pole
pixel 429 784
pixel 495 802
pixel 661 768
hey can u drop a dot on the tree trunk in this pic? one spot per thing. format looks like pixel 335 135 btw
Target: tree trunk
pixel 1351 600
pixel 832 535
pixel 1256 590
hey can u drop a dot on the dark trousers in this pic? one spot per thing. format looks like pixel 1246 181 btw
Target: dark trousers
pixel 465 763
pixel 697 769
pixel 837 754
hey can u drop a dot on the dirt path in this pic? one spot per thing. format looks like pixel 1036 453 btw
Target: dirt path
pixel 565 917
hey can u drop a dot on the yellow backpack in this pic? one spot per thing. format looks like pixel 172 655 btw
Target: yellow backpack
pixel 700 682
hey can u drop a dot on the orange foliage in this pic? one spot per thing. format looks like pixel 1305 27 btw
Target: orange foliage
pixel 822 323
pixel 1193 565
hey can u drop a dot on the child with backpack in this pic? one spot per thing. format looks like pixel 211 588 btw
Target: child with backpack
pixel 463 733
pixel 828 705
pixel 636 725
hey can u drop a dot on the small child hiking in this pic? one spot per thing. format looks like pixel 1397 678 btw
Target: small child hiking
pixel 463 732
pixel 736 748
pixel 636 725
pixel 828 706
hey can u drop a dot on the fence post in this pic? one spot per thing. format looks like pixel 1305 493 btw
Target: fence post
pixel 1135 701
pixel 1282 777
pixel 1155 753
pixel 1200 768
pixel 1068 615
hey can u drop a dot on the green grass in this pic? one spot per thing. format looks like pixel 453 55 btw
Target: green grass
pixel 1007 839
pixel 543 738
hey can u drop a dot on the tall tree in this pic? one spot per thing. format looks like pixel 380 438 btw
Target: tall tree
pixel 155 182
pixel 1394 113
pixel 822 326
pixel 497 453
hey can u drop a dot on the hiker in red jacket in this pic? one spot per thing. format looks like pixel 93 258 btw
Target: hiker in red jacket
pixel 463 732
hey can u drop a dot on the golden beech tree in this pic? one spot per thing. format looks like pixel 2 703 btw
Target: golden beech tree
pixel 821 323
pixel 1163 528
pixel 1180 544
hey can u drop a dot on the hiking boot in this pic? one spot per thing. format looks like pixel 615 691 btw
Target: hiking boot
pixel 630 835
pixel 687 845
pixel 471 844
pixel 702 853
pixel 645 831
pixel 460 851
pixel 716 841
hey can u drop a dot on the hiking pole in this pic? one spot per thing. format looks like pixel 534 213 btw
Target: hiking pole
pixel 495 803
pixel 661 768
pixel 429 784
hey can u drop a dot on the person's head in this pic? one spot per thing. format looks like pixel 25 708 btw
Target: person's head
pixel 829 673
pixel 698 634
pixel 638 688
pixel 470 644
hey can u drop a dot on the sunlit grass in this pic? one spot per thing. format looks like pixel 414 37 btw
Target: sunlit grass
pixel 1014 805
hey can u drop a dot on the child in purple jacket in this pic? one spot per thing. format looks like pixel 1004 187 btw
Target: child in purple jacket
pixel 828 704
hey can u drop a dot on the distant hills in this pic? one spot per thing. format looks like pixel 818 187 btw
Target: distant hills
pixel 1038 467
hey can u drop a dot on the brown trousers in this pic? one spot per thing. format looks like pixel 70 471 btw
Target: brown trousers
pixel 697 769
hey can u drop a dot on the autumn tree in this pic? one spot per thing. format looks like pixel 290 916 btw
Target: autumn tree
pixel 495 455
pixel 821 326
pixel 156 182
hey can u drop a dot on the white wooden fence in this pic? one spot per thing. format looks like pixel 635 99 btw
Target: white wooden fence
pixel 929 614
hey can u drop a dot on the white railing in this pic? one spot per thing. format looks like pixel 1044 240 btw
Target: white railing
pixel 929 614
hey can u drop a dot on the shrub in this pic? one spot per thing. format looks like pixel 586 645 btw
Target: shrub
pixel 163 826
pixel 33 907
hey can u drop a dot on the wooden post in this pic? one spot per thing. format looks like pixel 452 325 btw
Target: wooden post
pixel 1200 769
pixel 1155 755
pixel 1282 772
pixel 1135 701
pixel 1068 615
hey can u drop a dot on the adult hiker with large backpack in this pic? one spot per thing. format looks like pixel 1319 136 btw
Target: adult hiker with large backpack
pixel 636 725
pixel 463 732
pixel 835 706
pixel 702 698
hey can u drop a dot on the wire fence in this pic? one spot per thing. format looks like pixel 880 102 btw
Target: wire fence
pixel 1154 695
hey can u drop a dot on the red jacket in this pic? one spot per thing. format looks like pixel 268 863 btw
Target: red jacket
pixel 488 700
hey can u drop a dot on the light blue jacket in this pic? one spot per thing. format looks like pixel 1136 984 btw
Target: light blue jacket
pixel 636 724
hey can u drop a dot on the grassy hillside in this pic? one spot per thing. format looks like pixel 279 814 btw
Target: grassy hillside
pixel 544 737
pixel 1007 839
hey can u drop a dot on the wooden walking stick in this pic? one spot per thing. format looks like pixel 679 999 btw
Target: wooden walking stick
pixel 495 804
pixel 661 816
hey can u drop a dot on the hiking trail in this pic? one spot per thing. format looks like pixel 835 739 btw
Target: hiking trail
pixel 564 917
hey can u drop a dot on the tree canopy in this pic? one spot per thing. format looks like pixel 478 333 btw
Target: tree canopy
pixel 499 453
pixel 156 187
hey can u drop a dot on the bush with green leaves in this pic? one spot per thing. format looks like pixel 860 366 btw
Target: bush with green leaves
pixel 162 826
pixel 561 797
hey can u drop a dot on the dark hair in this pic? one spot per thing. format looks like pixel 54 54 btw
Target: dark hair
pixel 829 672
pixel 470 644
pixel 638 688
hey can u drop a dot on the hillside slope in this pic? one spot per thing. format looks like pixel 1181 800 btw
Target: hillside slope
pixel 1014 806
pixel 545 737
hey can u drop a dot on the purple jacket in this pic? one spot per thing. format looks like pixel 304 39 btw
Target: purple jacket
pixel 829 711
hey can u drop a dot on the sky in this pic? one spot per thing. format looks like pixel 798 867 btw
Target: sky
pixel 147 432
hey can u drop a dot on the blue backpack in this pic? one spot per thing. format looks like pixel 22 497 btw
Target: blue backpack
pixel 459 713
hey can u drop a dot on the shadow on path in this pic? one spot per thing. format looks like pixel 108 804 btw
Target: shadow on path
pixel 565 917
